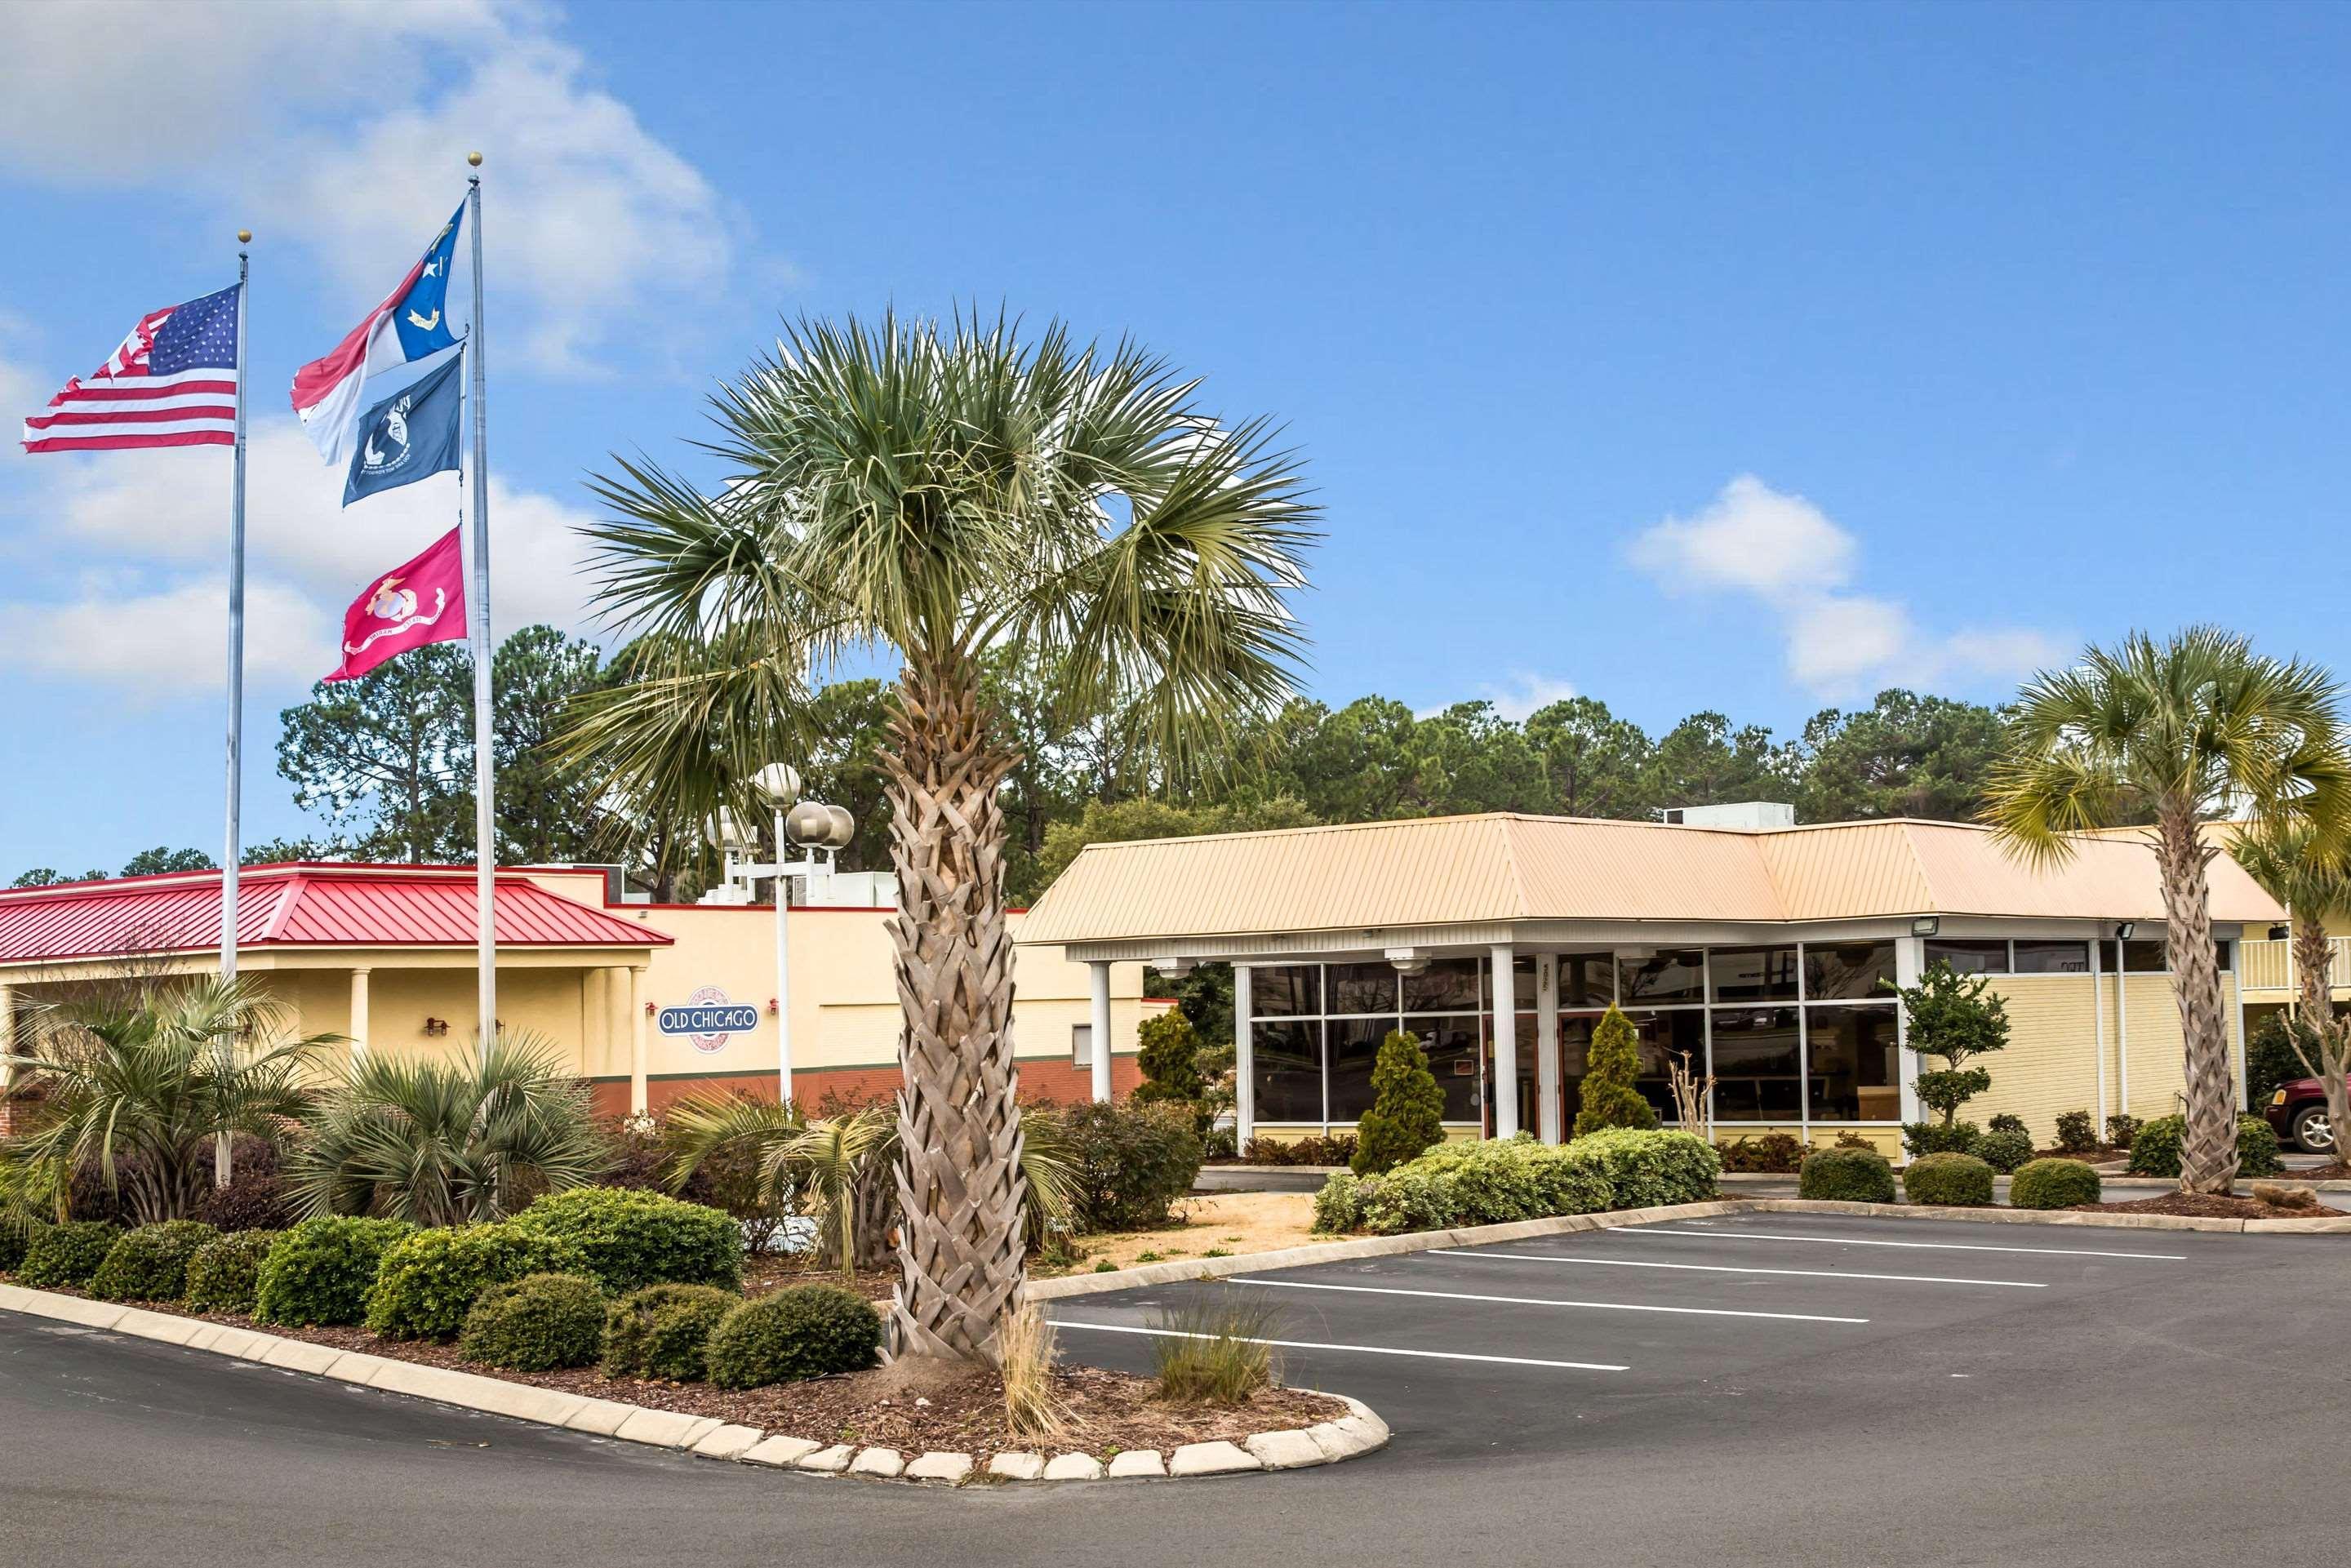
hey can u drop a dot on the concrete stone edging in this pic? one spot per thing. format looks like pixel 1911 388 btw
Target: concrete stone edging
pixel 2338 1226
pixel 1360 1431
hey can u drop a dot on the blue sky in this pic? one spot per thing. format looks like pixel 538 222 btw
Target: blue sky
pixel 1737 357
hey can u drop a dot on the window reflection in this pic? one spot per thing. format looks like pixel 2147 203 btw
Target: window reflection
pixel 1286 1072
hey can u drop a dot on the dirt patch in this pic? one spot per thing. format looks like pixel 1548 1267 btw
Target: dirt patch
pixel 2202 1207
pixel 1206 1225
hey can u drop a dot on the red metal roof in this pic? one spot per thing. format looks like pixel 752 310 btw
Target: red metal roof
pixel 297 906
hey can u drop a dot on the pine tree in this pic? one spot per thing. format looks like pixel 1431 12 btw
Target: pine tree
pixel 1169 1057
pixel 1610 1099
pixel 1407 1114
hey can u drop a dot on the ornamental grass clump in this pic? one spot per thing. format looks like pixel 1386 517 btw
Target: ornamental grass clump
pixel 428 1282
pixel 536 1323
pixel 319 1272
pixel 663 1331
pixel 1960 1181
pixel 2053 1184
pixel 225 1272
pixel 809 1331
pixel 1407 1112
pixel 151 1263
pixel 631 1238
pixel 1024 1354
pixel 67 1253
pixel 1846 1176
pixel 1217 1348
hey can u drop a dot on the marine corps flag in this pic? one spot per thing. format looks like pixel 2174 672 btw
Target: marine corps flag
pixel 422 602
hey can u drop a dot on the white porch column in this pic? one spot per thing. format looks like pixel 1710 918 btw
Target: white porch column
pixel 1506 1043
pixel 1244 1059
pixel 7 1032
pixel 358 1011
pixel 1099 974
pixel 1909 963
pixel 640 1039
pixel 1547 1047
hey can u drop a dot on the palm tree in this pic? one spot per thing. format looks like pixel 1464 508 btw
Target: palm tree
pixel 938 491
pixel 2311 878
pixel 2176 735
pixel 448 1141
pixel 146 1087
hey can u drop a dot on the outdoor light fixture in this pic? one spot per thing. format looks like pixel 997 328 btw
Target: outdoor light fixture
pixel 1926 926
pixel 2123 928
pixel 436 1026
pixel 1406 960
pixel 771 1007
pixel 1176 968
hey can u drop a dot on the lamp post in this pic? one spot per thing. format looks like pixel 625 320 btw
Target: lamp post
pixel 820 830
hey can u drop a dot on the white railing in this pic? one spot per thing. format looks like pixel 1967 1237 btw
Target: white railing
pixel 2269 966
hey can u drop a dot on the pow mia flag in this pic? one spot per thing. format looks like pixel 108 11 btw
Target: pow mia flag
pixel 409 434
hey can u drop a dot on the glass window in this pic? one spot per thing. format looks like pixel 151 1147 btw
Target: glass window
pixel 1755 1064
pixel 1446 986
pixel 2051 957
pixel 1842 971
pixel 1287 1071
pixel 1454 1048
pixel 1666 1037
pixel 1854 1076
pixel 1286 990
pixel 1081 1045
pixel 2110 958
pixel 1523 984
pixel 1754 974
pixel 1587 979
pixel 2224 954
pixel 1354 1046
pixel 2143 957
pixel 1525 1065
pixel 1662 975
pixel 1970 957
pixel 1362 988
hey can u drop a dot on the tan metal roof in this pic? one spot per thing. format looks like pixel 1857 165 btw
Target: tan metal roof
pixel 1445 871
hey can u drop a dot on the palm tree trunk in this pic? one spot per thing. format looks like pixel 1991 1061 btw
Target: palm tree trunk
pixel 959 1185
pixel 2208 1156
pixel 2312 954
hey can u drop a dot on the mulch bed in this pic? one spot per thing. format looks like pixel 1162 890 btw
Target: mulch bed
pixel 2102 1154
pixel 766 1272
pixel 2338 1171
pixel 2200 1207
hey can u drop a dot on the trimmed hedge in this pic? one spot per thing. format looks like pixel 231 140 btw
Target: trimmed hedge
pixel 151 1263
pixel 319 1271
pixel 66 1254
pixel 2154 1147
pixel 1930 1137
pixel 1130 1163
pixel 809 1331
pixel 664 1331
pixel 1846 1176
pixel 631 1238
pixel 2053 1184
pixel 1957 1180
pixel 2004 1148
pixel 12 1245
pixel 536 1323
pixel 1496 1182
pixel 427 1282
pixel 225 1271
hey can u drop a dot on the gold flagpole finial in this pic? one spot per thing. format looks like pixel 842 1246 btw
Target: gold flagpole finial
pixel 474 159
pixel 245 237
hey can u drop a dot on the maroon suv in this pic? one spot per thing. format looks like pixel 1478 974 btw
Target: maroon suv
pixel 2297 1113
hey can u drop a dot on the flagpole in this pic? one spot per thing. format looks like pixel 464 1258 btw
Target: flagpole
pixel 478 592
pixel 234 848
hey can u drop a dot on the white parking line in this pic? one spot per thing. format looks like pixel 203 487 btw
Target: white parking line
pixel 1727 1269
pixel 1355 1349
pixel 1857 1241
pixel 1538 1302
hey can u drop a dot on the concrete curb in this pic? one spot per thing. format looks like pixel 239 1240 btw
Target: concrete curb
pixel 1359 1432
pixel 2335 1227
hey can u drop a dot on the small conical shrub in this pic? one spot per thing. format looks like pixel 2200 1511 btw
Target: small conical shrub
pixel 1609 1100
pixel 1407 1114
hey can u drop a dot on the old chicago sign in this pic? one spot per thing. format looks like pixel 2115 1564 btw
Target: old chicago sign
pixel 708 1019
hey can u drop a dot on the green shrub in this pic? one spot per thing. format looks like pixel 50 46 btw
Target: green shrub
pixel 2006 1123
pixel 1613 1064
pixel 2004 1148
pixel 1922 1138
pixel 13 1237
pixel 1409 1198
pixel 536 1323
pixel 1960 1180
pixel 1496 1182
pixel 66 1254
pixel 2154 1147
pixel 2270 1056
pixel 2077 1132
pixel 1771 1153
pixel 1339 1206
pixel 1646 1169
pixel 632 1239
pixel 809 1331
pixel 1846 1176
pixel 2121 1128
pixel 428 1282
pixel 664 1331
pixel 1951 1018
pixel 224 1272
pixel 319 1271
pixel 1407 1112
pixel 2053 1184
pixel 1312 1149
pixel 151 1263
pixel 1130 1163
pixel 1168 1053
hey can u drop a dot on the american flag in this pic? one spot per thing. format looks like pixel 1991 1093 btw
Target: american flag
pixel 172 383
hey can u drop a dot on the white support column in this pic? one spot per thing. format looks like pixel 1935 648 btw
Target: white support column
pixel 1099 975
pixel 1909 963
pixel 7 1032
pixel 1506 1043
pixel 2237 989
pixel 640 1039
pixel 2099 1021
pixel 1244 1059
pixel 1547 1095
pixel 358 1011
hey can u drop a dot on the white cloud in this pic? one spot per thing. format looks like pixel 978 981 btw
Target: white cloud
pixel 1790 555
pixel 1524 693
pixel 172 641
pixel 589 218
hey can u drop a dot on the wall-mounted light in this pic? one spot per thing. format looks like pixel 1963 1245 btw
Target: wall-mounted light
pixel 1926 926
pixel 436 1026
pixel 2123 928
pixel 1176 968
pixel 649 1009
pixel 771 1007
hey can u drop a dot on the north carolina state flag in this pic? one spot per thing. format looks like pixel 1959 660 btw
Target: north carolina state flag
pixel 411 324
pixel 422 602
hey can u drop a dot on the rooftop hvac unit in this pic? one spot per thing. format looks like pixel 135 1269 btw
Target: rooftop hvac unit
pixel 1752 815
